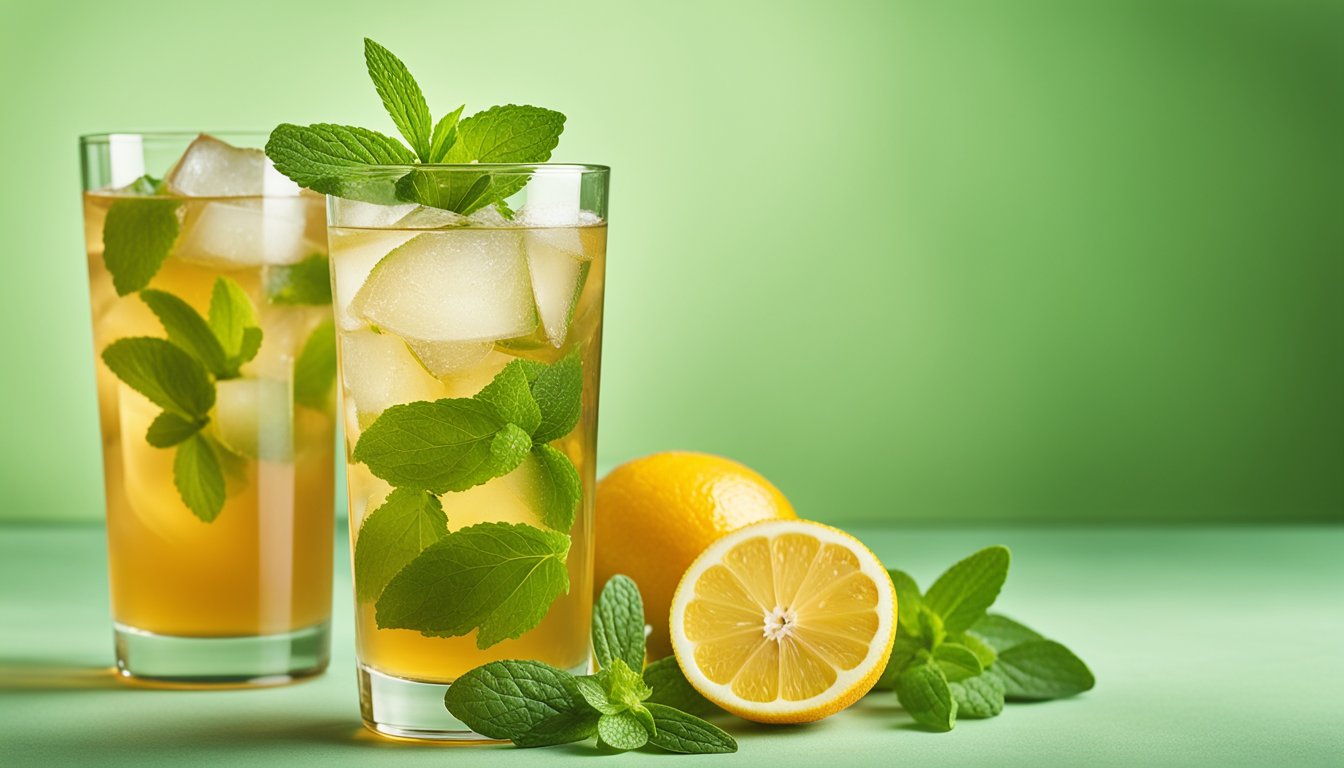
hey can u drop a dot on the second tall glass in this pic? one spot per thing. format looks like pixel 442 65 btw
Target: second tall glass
pixel 470 350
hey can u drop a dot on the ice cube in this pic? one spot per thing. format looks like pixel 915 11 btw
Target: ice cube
pixel 247 233
pixel 212 168
pixel 425 217
pixel 353 256
pixel 445 358
pixel 456 285
pixel 489 217
pixel 361 215
pixel 255 418
pixel 379 371
pixel 557 280
pixel 552 200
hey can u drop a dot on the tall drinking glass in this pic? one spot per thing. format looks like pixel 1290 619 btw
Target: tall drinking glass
pixel 470 350
pixel 214 353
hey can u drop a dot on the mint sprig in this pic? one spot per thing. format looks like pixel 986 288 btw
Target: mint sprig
pixel 137 236
pixel 953 659
pixel 536 705
pixel 332 159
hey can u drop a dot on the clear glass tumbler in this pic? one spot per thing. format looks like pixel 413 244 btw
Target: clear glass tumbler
pixel 470 351
pixel 215 363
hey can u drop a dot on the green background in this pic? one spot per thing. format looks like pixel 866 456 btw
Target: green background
pixel 915 261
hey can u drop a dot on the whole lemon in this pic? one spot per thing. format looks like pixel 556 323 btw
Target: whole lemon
pixel 656 514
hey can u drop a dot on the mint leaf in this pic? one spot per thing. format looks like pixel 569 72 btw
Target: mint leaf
pixel 199 479
pixel 512 398
pixel 681 732
pixel 332 159
pixel 401 96
pixel 307 283
pixel 507 134
pixel 509 699
pixel 159 370
pixel 169 429
pixel 187 329
pixel 558 489
pixel 595 694
pixel 497 578
pixel 563 728
pixel 315 367
pixel 622 730
pixel 982 650
pixel 618 624
pixel 671 688
pixel 956 661
pixel 137 236
pixel 908 601
pixel 445 135
pixel 392 536
pixel 234 322
pixel 977 697
pixel 1002 633
pixel 440 446
pixel 923 692
pixel 963 594
pixel 1042 669
pixel 558 389
pixel 145 185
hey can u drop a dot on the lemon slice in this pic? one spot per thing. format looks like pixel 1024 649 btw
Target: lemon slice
pixel 784 621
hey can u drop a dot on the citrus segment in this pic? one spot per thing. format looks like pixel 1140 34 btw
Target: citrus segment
pixel 784 621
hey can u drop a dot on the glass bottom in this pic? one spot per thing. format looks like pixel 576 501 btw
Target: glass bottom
pixel 248 661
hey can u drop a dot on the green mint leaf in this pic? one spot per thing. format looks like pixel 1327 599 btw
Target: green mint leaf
pixel 924 693
pixel 331 159
pixel 199 479
pixel 672 689
pixel 440 446
pixel 162 372
pixel 978 697
pixel 1042 669
pixel 393 535
pixel 307 283
pixel 497 578
pixel 931 631
pixel 445 135
pixel 903 653
pixel 558 389
pixel 982 650
pixel 563 728
pixel 507 134
pixel 315 367
pixel 401 96
pixel 595 693
pixel 137 236
pixel 963 594
pixel 956 661
pixel 145 185
pixel 512 398
pixel 462 192
pixel 234 322
pixel 558 488
pixel 618 624
pixel 187 329
pixel 1002 633
pixel 622 730
pixel 908 601
pixel 644 717
pixel 169 429
pixel 677 731
pixel 508 699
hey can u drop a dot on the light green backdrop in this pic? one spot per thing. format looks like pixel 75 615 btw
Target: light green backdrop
pixel 971 260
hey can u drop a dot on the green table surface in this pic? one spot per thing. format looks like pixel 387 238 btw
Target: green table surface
pixel 1218 646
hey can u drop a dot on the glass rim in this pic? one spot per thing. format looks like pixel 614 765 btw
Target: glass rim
pixel 492 168
pixel 106 137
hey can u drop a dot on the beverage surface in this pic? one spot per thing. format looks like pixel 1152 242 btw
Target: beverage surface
pixel 217 428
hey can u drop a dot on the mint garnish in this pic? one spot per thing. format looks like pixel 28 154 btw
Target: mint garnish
pixel 558 489
pixel 234 321
pixel 198 477
pixel 158 369
pixel 137 236
pixel 305 283
pixel 952 659
pixel 393 535
pixel 536 705
pixel 315 367
pixel 671 688
pixel 329 158
pixel 187 329
pixel 496 578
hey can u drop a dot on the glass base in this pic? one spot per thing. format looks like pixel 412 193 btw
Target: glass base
pixel 407 709
pixel 247 661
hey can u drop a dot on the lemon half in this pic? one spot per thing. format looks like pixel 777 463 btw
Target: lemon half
pixel 784 621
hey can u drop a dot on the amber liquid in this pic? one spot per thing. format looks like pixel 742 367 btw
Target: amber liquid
pixel 263 566
pixel 562 637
